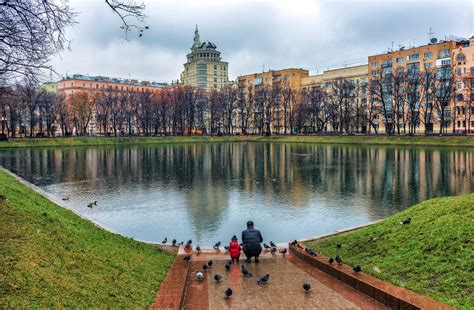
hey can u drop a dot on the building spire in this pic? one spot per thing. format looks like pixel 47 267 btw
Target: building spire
pixel 197 42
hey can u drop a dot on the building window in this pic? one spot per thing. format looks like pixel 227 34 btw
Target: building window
pixel 428 55
pixel 375 73
pixel 375 64
pixel 413 56
pixel 459 71
pixel 428 65
pixel 97 86
pixel 399 60
pixel 400 69
pixel 443 53
pixel 387 63
pixel 459 85
pixel 461 57
pixel 90 85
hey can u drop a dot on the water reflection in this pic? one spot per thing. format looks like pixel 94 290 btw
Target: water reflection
pixel 208 191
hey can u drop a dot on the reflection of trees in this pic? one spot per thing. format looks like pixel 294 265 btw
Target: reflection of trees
pixel 288 174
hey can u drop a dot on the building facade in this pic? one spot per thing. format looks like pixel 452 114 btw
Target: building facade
pixel 204 67
pixel 384 68
pixel 96 84
pixel 92 87
pixel 274 89
pixel 463 65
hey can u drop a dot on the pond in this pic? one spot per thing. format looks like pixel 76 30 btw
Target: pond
pixel 208 191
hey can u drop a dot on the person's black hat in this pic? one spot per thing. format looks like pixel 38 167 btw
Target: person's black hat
pixel 234 238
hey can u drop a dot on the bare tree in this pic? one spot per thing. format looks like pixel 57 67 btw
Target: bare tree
pixel 31 31
pixel 468 82
pixel 380 94
pixel 443 92
pixel 132 15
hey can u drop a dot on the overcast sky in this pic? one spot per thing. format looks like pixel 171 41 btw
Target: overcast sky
pixel 314 35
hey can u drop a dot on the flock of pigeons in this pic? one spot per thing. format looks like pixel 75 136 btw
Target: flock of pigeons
pixel 273 249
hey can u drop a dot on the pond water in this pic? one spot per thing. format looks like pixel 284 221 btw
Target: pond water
pixel 207 192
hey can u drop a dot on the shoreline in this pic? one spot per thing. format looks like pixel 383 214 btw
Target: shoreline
pixel 405 141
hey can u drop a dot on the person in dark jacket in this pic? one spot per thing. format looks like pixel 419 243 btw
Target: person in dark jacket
pixel 251 238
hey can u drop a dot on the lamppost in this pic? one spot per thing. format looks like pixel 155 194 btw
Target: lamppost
pixel 3 120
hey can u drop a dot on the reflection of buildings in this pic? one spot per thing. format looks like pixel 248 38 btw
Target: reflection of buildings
pixel 284 174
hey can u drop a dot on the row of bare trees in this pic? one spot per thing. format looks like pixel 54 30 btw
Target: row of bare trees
pixel 406 100
pixel 403 102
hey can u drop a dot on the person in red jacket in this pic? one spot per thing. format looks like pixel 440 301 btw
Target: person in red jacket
pixel 234 249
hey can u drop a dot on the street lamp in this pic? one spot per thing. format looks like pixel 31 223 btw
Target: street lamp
pixel 3 120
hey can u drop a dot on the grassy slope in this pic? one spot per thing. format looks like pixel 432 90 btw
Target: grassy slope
pixel 374 140
pixel 50 257
pixel 433 255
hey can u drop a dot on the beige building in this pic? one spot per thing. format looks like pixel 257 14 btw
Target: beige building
pixel 463 65
pixel 204 67
pixel 358 77
pixel 284 84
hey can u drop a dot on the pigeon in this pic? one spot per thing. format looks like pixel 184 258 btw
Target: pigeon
pixel 188 244
pixel 92 204
pixel 330 260
pixel 217 245
pixel 338 259
pixel 230 262
pixel 217 277
pixel 310 251
pixel 264 279
pixel 198 248
pixel 199 276
pixel 209 263
pixel 227 267
pixel 283 252
pixel 228 292
pixel 272 244
pixel 164 241
pixel 147 27
pixel 241 244
pixel 266 246
pixel 226 248
pixel 205 267
pixel 174 242
pixel 181 243
pixel 66 199
pixel 273 250
pixel 187 258
pixel 338 246
pixel 407 221
pixel 307 249
pixel 294 243
pixel 140 35
pixel 306 286
pixel 356 269
pixel 245 271
pixel 299 245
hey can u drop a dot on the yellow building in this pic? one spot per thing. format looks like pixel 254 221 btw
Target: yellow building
pixel 204 67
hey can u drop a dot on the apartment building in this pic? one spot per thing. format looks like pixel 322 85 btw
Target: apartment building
pixel 435 57
pixel 463 68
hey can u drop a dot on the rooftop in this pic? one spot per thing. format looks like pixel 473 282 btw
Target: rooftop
pixel 106 79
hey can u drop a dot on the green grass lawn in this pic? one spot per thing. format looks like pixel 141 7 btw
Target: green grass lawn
pixel 462 141
pixel 52 258
pixel 434 255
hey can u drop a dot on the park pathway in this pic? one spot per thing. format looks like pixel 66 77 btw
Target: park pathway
pixel 284 290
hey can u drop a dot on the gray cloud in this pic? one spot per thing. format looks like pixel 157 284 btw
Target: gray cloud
pixel 309 34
